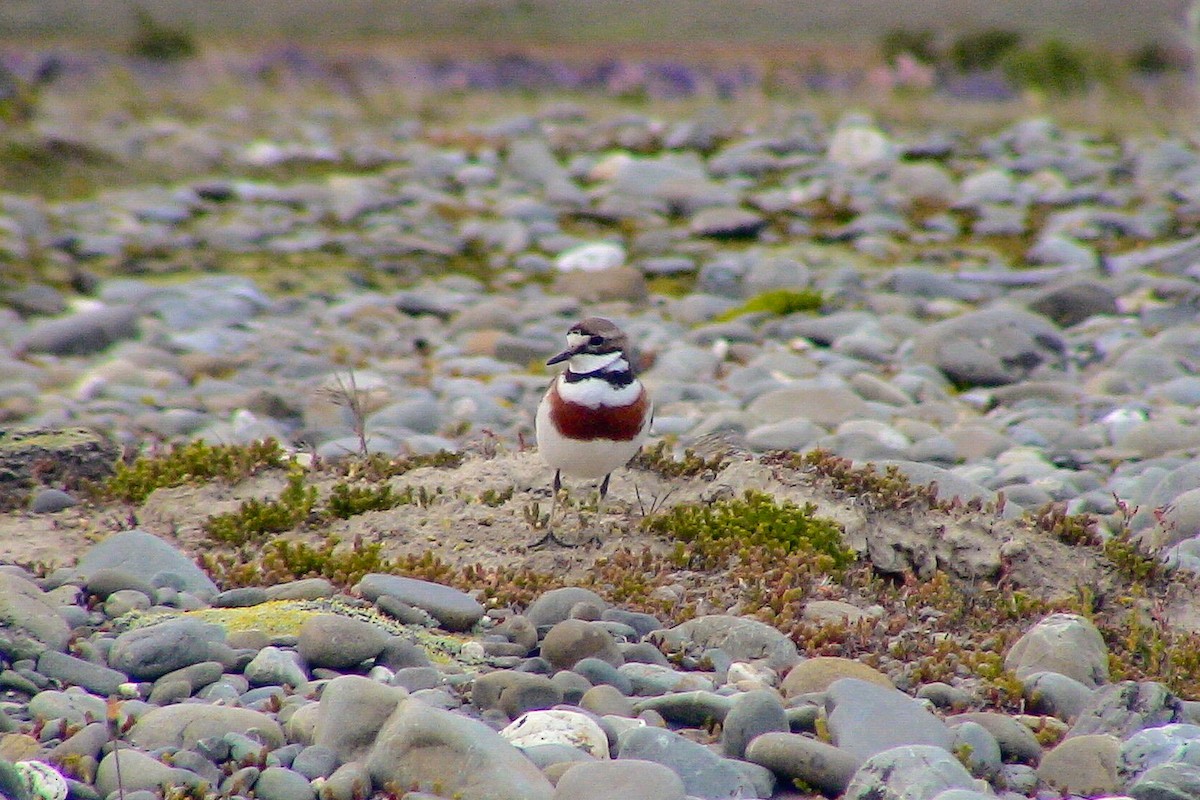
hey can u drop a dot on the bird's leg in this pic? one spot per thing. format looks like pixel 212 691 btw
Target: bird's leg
pixel 549 535
pixel 603 494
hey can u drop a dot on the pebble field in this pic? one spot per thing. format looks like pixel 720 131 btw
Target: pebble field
pixel 1009 315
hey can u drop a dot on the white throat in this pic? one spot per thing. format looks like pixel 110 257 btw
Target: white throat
pixel 584 363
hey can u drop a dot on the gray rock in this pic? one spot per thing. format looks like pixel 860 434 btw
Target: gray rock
pixel 704 773
pixel 696 709
pixel 146 556
pixel 51 501
pixel 139 771
pixel 1172 781
pixel 351 713
pixel 619 780
pixel 992 347
pixel 555 605
pixel 74 705
pixel 1085 765
pixel 978 748
pixel 336 641
pixel 455 610
pixel 741 638
pixel 1124 708
pixel 277 783
pixel 913 772
pixel 751 714
pixel 865 719
pixel 315 761
pixel 1072 303
pixel 1148 748
pixel 350 781
pixel 82 333
pixel 1017 742
pixel 26 612
pixel 572 640
pixel 424 747
pixel 1056 695
pixel 275 667
pixel 789 755
pixel 72 671
pixel 1064 643
pixel 150 652
pixel 727 223
pixel 185 724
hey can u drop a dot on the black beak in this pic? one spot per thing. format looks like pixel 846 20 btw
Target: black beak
pixel 563 356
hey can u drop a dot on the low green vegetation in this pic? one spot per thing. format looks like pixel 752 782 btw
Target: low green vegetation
pixel 194 462
pixel 157 41
pixel 256 518
pixel 778 302
pixel 754 520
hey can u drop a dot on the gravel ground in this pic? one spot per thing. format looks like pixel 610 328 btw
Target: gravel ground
pixel 1011 316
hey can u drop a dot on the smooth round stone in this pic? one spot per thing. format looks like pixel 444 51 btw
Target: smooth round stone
pixel 274 667
pixel 1085 765
pixel 908 771
pixel 1017 742
pixel 817 674
pixel 597 672
pixel 277 783
pixel 619 780
pixel 819 765
pixel 789 434
pixel 750 715
pixel 982 751
pixel 944 696
pixel 1064 643
pixel 350 713
pixel 335 641
pixel 572 640
pixel 1173 781
pixel 694 708
pixel 124 601
pixel 139 771
pixel 605 699
pixel 241 597
pixel 1159 745
pixel 315 761
pixel 455 610
pixel 150 652
pixel 72 671
pixel 991 347
pixel 1056 695
pixel 825 406
pixel 424 746
pixel 51 501
pixel 655 679
pixel 558 726
pixel 74 705
pixel 704 773
pixel 104 582
pixel 416 678
pixel 1124 708
pixel 146 556
pixel 866 718
pixel 185 724
pixel 528 692
pixel 741 638
pixel 305 589
pixel 82 333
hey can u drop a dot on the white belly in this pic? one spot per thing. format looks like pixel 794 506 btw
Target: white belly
pixel 589 460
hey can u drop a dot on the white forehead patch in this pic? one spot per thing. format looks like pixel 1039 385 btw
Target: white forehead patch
pixel 576 339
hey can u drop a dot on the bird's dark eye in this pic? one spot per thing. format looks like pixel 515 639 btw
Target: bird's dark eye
pixel 596 340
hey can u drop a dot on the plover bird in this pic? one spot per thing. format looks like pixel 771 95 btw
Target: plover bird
pixel 596 413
